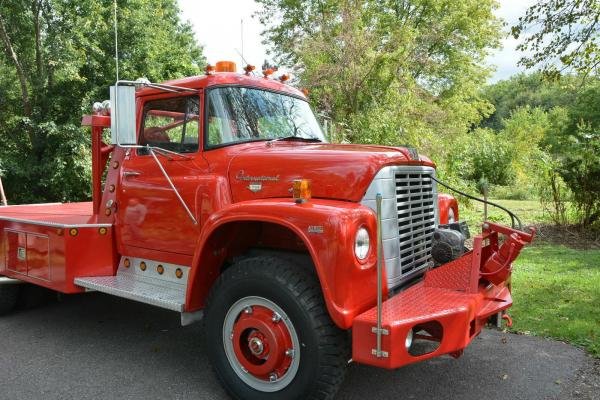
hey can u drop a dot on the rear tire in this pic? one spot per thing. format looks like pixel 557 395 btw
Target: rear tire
pixel 9 294
pixel 268 333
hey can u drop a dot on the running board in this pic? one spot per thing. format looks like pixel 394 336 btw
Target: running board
pixel 160 295
pixel 159 284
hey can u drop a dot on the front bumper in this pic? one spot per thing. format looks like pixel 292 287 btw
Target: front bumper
pixel 448 308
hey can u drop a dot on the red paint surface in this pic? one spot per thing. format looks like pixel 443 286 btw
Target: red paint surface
pixel 456 296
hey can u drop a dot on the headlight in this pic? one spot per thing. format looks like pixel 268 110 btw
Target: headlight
pixel 362 244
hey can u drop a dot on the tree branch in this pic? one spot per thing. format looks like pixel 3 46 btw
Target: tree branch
pixel 10 52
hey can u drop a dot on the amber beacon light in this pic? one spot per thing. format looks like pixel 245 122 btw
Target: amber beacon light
pixel 226 66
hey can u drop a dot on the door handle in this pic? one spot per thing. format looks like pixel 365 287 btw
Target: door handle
pixel 127 174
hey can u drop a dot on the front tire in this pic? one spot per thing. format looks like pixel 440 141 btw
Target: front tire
pixel 268 333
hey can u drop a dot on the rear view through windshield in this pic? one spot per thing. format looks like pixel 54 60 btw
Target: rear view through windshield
pixel 239 114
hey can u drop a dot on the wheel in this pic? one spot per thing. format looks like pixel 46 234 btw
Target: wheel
pixel 9 294
pixel 268 333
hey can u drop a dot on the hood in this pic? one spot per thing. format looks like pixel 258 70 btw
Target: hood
pixel 337 171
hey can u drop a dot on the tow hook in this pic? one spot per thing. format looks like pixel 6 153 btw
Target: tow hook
pixel 508 319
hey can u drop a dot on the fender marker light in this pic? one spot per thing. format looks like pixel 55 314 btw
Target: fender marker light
pixel 302 190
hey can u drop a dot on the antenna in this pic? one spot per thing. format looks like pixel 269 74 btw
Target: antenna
pixel 242 37
pixel 116 40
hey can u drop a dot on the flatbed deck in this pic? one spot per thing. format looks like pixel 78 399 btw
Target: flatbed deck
pixel 51 244
pixel 63 215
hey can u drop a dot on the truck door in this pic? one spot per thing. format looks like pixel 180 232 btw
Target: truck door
pixel 149 213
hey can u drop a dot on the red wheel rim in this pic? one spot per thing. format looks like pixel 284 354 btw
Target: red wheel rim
pixel 261 342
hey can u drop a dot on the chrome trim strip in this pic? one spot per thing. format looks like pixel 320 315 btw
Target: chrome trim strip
pixel 53 224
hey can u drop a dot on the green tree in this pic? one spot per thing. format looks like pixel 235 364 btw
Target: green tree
pixel 393 72
pixel 561 35
pixel 58 59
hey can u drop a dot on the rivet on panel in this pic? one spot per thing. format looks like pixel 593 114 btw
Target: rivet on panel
pixel 59 232
pixel 178 273
pixel 126 263
pixel 143 266
pixel 111 188
pixel 107 212
pixel 102 231
pixel 115 164
pixel 160 269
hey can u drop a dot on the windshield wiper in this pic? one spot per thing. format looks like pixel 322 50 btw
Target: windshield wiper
pixel 294 137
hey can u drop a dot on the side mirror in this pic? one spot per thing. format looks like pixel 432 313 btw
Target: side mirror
pixel 122 121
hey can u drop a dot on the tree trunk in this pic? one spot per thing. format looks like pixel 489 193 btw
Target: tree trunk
pixel 10 52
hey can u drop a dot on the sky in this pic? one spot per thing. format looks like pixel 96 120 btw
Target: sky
pixel 218 27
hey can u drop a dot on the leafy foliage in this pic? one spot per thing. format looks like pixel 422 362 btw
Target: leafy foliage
pixel 394 72
pixel 561 35
pixel 63 52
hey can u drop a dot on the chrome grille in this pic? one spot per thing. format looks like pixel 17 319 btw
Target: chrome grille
pixel 415 202
pixel 409 215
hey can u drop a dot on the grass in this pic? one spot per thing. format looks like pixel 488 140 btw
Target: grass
pixel 529 211
pixel 556 289
pixel 556 294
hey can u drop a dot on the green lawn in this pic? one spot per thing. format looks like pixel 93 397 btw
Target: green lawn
pixel 556 289
pixel 556 294
pixel 529 211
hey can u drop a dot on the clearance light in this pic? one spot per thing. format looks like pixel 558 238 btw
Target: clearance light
pixel 73 231
pixel 226 66
pixel 209 69
pixel 249 68
pixel 268 72
pixel 302 190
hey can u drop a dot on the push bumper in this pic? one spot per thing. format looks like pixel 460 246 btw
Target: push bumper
pixel 446 310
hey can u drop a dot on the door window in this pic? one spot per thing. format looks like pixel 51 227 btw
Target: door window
pixel 172 124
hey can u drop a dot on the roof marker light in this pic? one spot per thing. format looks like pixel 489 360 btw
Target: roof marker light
pixel 249 68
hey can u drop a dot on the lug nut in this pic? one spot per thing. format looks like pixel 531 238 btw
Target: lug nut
pixel 272 377
pixel 248 310
pixel 290 353
pixel 276 317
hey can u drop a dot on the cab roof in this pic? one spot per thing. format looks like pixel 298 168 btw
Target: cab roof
pixel 227 79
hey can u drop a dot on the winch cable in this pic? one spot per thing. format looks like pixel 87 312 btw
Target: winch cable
pixel 512 215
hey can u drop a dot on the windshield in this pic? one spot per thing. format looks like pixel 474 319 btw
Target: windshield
pixel 240 114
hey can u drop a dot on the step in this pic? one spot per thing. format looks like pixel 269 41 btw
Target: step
pixel 160 293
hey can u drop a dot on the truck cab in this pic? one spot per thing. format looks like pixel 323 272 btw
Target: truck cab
pixel 219 197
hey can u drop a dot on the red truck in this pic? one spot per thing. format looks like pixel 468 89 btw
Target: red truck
pixel 219 198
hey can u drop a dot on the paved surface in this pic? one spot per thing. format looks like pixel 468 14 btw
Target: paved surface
pixel 97 347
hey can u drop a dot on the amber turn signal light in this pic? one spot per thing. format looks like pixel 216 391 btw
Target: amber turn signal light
pixel 302 190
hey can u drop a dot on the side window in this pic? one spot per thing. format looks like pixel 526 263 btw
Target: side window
pixel 172 124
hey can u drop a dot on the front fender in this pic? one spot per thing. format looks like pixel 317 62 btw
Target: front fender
pixel 326 227
pixel 445 203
